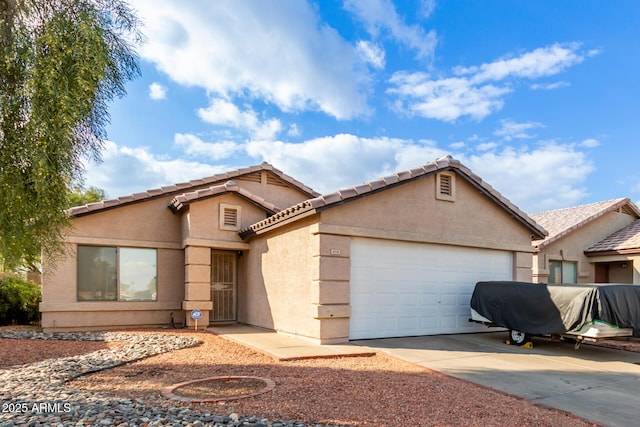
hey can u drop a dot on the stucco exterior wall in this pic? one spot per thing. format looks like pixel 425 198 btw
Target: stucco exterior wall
pixel 299 282
pixel 62 311
pixel 411 212
pixel 201 234
pixel 571 247
pixel 280 195
pixel 142 225
pixel 277 291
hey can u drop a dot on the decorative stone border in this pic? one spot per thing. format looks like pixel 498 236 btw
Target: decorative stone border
pixel 168 391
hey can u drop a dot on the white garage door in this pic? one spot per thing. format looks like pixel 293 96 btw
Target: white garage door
pixel 405 289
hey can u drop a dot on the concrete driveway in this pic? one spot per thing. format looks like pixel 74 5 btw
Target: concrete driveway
pixel 596 383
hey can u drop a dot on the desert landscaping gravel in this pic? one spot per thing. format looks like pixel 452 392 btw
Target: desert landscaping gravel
pixel 115 378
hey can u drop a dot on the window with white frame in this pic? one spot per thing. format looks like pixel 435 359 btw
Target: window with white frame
pixel 563 272
pixel 107 273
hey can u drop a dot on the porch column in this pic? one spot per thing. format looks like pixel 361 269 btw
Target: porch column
pixel 330 296
pixel 197 291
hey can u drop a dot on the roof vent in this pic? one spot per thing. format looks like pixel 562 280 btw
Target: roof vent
pixel 230 217
pixel 446 186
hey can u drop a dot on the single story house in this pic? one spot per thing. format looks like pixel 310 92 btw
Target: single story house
pixel 593 243
pixel 397 256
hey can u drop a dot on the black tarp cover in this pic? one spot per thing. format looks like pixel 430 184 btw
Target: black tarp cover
pixel 536 308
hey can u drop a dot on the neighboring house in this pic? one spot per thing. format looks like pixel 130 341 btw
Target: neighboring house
pixel 594 243
pixel 395 256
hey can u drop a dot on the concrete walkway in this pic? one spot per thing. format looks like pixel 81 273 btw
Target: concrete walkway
pixel 283 347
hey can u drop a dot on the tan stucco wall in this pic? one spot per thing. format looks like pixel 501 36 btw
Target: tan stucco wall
pixel 571 247
pixel 290 294
pixel 277 291
pixel 411 212
pixel 280 195
pixel 61 310
pixel 184 241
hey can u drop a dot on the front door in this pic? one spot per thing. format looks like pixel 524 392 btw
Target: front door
pixel 223 286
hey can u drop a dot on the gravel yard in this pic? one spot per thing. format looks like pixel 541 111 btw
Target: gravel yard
pixel 367 391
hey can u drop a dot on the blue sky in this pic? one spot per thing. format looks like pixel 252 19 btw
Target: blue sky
pixel 541 99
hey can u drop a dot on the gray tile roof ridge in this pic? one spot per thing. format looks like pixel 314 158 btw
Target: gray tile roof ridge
pixel 230 186
pixel 561 222
pixel 181 187
pixel 350 193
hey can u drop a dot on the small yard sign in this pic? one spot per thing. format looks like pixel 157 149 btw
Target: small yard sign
pixel 195 315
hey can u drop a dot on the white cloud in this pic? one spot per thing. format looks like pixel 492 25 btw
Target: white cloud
pixel 547 176
pixel 381 15
pixel 224 113
pixel 157 91
pixel 444 99
pixel 276 51
pixel 193 145
pixel 125 170
pixel 511 129
pixel 486 146
pixel 540 62
pixel 550 176
pixel 371 53
pixel 550 86
pixel 294 130
pixel 590 143
pixel 333 162
pixel 427 7
pixel 476 91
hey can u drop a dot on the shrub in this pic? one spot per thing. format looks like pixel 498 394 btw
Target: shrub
pixel 19 301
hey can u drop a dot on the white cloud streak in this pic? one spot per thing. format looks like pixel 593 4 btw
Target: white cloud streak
pixel 371 53
pixel 380 16
pixel 194 146
pixel 224 113
pixel 477 91
pixel 512 130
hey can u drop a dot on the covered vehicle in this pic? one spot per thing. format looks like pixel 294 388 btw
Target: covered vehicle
pixel 586 312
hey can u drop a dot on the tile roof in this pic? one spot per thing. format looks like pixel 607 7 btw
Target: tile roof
pixel 561 222
pixel 184 187
pixel 185 199
pixel 326 201
pixel 622 241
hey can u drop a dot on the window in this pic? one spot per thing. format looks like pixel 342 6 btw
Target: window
pixel 116 274
pixel 230 217
pixel 563 272
pixel 446 186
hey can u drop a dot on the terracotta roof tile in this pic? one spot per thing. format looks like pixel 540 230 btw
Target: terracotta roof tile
pixel 348 193
pixel 561 222
pixel 181 187
pixel 445 163
pixel 185 199
pixel 625 239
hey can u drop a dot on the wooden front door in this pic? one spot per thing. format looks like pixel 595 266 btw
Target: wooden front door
pixel 223 286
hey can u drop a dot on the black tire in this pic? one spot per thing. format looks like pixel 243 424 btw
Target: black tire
pixel 517 337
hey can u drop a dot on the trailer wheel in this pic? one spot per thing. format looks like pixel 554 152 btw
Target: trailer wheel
pixel 517 337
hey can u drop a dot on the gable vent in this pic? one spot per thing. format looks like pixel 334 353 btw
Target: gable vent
pixel 626 210
pixel 230 217
pixel 446 186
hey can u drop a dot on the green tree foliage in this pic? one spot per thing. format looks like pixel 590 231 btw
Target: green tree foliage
pixel 19 301
pixel 61 63
pixel 81 196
